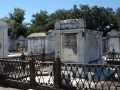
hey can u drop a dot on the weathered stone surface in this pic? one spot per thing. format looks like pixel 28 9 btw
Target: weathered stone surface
pixel 78 45
pixel 112 40
pixel 37 42
pixel 70 24
pixel 3 39
pixel 69 44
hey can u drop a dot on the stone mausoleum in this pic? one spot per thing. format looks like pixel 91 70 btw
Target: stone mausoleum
pixel 70 37
pixel 77 44
pixel 111 40
pixel 3 39
pixel 39 42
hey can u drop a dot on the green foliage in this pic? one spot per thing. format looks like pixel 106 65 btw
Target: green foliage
pixel 15 21
pixel 97 18
pixel 101 19
pixel 39 21
pixel 117 17
pixel 17 15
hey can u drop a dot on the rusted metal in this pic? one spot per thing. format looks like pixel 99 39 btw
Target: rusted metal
pixel 32 72
pixel 113 53
pixel 112 57
pixel 13 69
pixel 90 77
pixel 43 55
pixel 36 57
pixel 63 75
pixel 57 72
pixel 23 59
pixel 44 73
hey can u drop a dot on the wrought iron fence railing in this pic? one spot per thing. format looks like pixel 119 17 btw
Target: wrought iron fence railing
pixel 44 73
pixel 90 77
pixel 62 75
pixel 37 57
pixel 15 70
pixel 112 57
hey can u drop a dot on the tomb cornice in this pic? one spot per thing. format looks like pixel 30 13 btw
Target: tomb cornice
pixel 3 27
pixel 37 37
pixel 70 24
pixel 113 37
pixel 93 32
pixel 69 31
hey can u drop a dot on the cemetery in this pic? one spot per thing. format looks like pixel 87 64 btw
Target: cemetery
pixel 112 40
pixel 17 45
pixel 70 57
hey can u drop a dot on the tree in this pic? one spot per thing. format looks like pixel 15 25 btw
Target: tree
pixel 97 18
pixel 39 21
pixel 15 21
pixel 59 14
pixel 117 18
pixel 102 19
pixel 17 15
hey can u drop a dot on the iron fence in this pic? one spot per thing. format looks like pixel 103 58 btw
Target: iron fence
pixel 33 71
pixel 37 57
pixel 15 70
pixel 44 73
pixel 112 57
pixel 90 77
pixel 68 76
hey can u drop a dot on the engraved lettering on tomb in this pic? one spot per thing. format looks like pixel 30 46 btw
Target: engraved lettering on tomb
pixel 69 41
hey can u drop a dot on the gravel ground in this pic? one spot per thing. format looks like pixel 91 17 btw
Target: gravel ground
pixel 17 53
pixel 7 88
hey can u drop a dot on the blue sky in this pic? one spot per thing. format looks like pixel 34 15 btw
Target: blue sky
pixel 34 6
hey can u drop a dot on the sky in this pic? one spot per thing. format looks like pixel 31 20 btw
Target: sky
pixel 33 6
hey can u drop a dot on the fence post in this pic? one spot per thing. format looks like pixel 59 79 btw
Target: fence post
pixel 43 56
pixel 57 72
pixel 113 53
pixel 23 59
pixel 32 69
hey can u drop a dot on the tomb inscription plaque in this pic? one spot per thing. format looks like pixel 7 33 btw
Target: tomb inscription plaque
pixel 69 46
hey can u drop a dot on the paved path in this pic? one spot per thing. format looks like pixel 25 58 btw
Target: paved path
pixel 17 53
pixel 7 88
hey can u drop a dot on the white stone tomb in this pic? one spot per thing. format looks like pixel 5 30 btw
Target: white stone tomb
pixel 77 44
pixel 113 40
pixel 3 39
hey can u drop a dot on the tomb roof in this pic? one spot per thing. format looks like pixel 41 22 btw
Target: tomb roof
pixel 50 30
pixel 36 35
pixel 3 24
pixel 113 32
pixel 21 38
